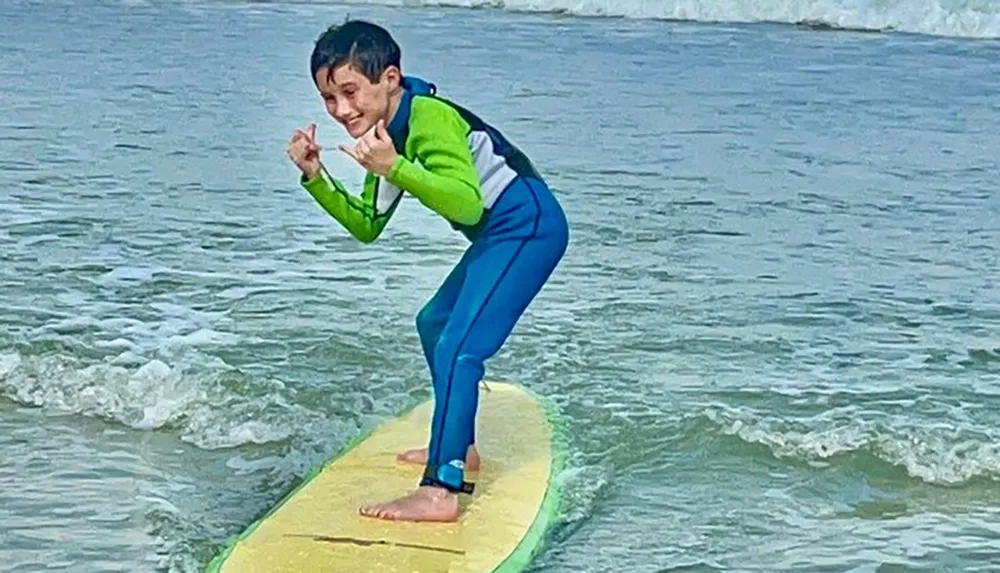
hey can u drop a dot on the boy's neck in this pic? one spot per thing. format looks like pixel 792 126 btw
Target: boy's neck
pixel 394 106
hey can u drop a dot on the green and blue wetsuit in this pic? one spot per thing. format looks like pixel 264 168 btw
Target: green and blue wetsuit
pixel 468 172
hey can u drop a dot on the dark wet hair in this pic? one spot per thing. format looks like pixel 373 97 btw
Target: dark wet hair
pixel 366 47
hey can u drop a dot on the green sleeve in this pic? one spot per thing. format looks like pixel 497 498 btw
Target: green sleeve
pixel 445 179
pixel 358 215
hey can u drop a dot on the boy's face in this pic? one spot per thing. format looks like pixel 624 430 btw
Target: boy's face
pixel 354 101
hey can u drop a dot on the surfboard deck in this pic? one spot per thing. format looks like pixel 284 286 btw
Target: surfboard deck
pixel 317 527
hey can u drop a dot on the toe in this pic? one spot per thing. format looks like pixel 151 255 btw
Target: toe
pixel 377 511
pixel 380 513
pixel 410 456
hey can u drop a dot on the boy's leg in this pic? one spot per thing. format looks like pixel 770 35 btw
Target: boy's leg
pixel 503 276
pixel 430 323
pixel 500 286
pixel 434 314
pixel 502 279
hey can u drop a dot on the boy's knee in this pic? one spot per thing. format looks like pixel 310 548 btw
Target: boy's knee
pixel 471 363
pixel 453 355
pixel 425 322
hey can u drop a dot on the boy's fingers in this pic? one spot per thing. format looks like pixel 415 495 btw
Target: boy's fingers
pixel 300 135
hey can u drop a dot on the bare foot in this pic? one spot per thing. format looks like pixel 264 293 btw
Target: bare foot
pixel 427 503
pixel 419 456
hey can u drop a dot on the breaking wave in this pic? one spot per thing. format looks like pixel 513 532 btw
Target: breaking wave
pixel 954 18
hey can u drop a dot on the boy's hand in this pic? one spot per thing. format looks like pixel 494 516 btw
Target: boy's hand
pixel 374 151
pixel 304 151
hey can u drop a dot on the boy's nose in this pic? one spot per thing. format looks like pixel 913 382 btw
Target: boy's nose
pixel 341 111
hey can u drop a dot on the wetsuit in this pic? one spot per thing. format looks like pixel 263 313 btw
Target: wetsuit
pixel 465 170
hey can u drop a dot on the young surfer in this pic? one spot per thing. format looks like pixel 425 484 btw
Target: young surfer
pixel 412 141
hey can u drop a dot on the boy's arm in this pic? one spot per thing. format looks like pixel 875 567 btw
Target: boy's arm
pixel 446 180
pixel 358 215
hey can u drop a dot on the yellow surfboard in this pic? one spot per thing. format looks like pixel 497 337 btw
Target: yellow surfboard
pixel 316 528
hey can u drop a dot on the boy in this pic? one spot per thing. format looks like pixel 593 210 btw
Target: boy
pixel 409 139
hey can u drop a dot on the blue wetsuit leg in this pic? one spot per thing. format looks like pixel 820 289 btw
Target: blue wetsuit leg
pixel 510 259
pixel 434 315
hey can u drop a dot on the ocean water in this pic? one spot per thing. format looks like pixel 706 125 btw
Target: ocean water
pixel 774 334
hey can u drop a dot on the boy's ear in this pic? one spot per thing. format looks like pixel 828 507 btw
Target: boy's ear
pixel 392 76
